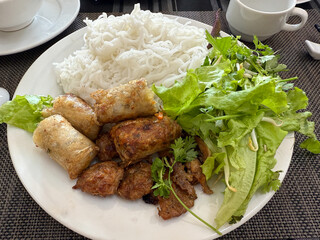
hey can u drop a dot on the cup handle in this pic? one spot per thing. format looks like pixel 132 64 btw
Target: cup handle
pixel 296 12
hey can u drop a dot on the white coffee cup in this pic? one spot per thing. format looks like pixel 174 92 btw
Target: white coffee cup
pixel 262 18
pixel 17 14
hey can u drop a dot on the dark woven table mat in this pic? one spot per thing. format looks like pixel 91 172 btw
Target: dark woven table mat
pixel 293 212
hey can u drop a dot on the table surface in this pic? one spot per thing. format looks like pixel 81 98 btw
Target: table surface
pixel 168 5
pixel 292 213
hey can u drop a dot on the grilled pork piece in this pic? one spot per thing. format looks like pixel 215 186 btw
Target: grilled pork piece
pixel 137 181
pixel 204 150
pixel 136 139
pixel 170 207
pixel 182 178
pixel 107 150
pixel 101 179
pixel 194 169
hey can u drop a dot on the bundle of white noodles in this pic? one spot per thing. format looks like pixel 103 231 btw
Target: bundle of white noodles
pixel 129 47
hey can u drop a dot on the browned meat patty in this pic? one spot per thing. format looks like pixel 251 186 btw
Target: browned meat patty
pixel 170 207
pixel 100 179
pixel 137 181
pixel 136 139
pixel 107 150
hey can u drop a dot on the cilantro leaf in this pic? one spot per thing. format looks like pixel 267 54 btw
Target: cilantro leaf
pixel 183 150
pixel 162 186
pixel 262 48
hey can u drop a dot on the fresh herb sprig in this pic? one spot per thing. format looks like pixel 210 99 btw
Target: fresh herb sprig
pixel 183 151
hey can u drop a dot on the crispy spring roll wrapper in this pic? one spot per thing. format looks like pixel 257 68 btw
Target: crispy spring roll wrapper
pixel 136 139
pixel 64 144
pixel 127 101
pixel 79 113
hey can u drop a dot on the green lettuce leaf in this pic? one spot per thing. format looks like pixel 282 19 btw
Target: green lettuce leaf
pixel 198 124
pixel 214 162
pixel 180 95
pixel 295 120
pixel 238 128
pixel 242 171
pixel 232 102
pixel 269 139
pixel 312 145
pixel 216 75
pixel 24 111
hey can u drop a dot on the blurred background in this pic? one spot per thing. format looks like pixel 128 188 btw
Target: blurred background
pixel 167 5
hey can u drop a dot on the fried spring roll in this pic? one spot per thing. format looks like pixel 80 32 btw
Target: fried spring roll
pixel 79 113
pixel 64 144
pixel 126 101
pixel 136 139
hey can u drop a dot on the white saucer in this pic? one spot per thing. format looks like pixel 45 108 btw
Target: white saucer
pixel 302 1
pixel 53 18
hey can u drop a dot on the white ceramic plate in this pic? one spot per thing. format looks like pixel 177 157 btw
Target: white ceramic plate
pixel 111 217
pixel 53 17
